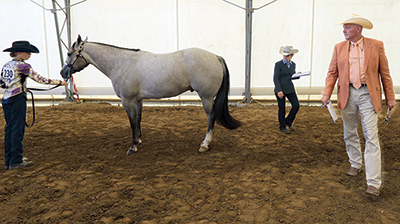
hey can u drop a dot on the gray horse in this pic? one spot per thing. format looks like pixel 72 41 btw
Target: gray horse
pixel 138 75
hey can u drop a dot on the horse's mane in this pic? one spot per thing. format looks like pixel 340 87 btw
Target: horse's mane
pixel 122 48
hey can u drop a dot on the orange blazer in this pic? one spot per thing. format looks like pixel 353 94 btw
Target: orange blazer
pixel 376 70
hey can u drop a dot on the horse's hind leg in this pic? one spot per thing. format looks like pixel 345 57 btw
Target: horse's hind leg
pixel 208 108
pixel 139 109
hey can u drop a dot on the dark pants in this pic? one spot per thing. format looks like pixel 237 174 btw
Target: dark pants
pixel 15 115
pixel 287 121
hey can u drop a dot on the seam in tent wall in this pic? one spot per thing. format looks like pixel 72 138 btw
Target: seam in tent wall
pixel 177 24
pixel 312 41
pixel 45 39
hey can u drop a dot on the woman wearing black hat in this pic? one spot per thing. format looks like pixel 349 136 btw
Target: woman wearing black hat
pixel 13 76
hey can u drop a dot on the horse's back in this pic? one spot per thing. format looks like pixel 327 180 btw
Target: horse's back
pixel 188 65
pixel 198 55
pixel 170 74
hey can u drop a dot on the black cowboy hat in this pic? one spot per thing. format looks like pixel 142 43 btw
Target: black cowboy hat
pixel 22 46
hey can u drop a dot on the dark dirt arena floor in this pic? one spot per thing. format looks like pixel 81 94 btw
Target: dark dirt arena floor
pixel 253 174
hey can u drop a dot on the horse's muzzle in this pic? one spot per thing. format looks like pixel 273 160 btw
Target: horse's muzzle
pixel 66 72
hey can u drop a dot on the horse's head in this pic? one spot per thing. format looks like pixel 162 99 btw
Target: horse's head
pixel 75 62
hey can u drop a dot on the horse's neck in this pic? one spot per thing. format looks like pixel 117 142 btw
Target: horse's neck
pixel 104 57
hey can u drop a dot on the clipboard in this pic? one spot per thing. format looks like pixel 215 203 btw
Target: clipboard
pixel 300 74
pixel 331 111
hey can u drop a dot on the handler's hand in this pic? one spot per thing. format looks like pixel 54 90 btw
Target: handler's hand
pixel 64 83
pixel 390 104
pixel 280 94
pixel 324 100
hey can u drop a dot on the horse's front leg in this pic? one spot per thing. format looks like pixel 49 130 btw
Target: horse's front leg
pixel 130 107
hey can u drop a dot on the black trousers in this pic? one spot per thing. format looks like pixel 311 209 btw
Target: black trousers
pixel 283 120
pixel 15 116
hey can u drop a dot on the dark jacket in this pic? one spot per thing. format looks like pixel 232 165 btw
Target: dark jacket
pixel 283 77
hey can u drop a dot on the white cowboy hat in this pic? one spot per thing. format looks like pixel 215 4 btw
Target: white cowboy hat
pixel 287 50
pixel 356 19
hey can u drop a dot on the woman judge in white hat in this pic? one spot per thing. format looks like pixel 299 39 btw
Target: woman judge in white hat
pixel 284 88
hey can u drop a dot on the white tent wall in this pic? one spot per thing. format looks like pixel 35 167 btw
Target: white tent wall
pixel 284 22
pixel 217 27
pixel 148 25
pixel 382 13
pixel 22 20
pixel 163 26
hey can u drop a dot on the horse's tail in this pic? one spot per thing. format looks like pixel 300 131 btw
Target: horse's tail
pixel 221 109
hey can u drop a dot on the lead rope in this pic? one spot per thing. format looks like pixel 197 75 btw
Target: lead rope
pixel 33 111
pixel 33 102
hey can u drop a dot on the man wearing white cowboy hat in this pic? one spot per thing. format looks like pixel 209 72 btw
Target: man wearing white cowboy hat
pixel 284 88
pixel 361 66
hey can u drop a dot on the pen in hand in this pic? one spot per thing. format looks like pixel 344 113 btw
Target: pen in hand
pixel 326 103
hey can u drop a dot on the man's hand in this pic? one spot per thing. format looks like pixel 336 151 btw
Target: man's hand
pixel 390 103
pixel 324 100
pixel 64 83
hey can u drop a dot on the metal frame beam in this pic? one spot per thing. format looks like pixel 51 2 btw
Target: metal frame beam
pixel 67 23
pixel 249 23
pixel 68 91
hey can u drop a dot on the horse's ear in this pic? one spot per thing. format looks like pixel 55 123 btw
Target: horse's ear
pixel 79 40
pixel 79 43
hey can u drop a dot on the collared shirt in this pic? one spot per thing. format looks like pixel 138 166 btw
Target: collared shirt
pixel 288 64
pixel 13 75
pixel 357 59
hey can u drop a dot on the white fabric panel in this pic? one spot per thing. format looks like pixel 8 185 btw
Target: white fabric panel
pixel 162 26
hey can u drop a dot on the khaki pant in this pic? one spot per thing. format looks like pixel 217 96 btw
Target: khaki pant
pixel 360 101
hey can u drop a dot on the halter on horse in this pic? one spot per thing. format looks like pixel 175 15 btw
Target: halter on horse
pixel 138 75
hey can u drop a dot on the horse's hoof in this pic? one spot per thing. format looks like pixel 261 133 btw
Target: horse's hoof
pixel 131 150
pixel 203 149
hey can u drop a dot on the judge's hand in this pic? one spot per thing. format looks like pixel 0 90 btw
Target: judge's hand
pixel 280 94
pixel 390 103
pixel 324 100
